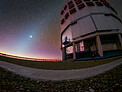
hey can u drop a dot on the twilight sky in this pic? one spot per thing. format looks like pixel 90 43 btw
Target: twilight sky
pixel 32 27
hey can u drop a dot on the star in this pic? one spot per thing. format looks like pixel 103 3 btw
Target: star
pixel 31 36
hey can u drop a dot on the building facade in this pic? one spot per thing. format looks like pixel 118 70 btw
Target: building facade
pixel 89 28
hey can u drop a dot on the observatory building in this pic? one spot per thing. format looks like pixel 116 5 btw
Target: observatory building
pixel 90 29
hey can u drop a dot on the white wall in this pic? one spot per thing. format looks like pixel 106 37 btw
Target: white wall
pixel 106 22
pixel 68 34
pixel 83 27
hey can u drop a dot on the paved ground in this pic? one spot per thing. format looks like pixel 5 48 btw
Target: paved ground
pixel 40 74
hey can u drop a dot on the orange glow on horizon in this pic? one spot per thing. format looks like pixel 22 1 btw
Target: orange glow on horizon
pixel 28 58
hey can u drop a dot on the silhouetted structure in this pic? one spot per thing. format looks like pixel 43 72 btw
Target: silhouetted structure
pixel 89 28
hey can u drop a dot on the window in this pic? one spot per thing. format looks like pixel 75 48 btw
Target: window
pixel 71 6
pixel 62 21
pixel 103 0
pixel 90 3
pixel 67 15
pixel 69 49
pixel 72 11
pixel 70 2
pixel 62 12
pixel 81 6
pixel 65 7
pixel 86 0
pixel 82 46
pixel 78 1
pixel 99 4
pixel 95 0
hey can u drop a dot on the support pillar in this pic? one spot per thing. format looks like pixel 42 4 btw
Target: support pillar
pixel 120 40
pixel 64 53
pixel 99 46
pixel 74 51
pixel 78 47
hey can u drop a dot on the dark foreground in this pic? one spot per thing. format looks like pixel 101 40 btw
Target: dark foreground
pixel 48 65
pixel 110 81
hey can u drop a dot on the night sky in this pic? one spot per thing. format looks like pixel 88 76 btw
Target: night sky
pixel 31 28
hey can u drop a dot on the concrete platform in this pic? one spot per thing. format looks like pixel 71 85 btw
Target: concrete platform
pixel 58 75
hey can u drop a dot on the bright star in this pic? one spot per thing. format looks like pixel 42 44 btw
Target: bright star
pixel 31 36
